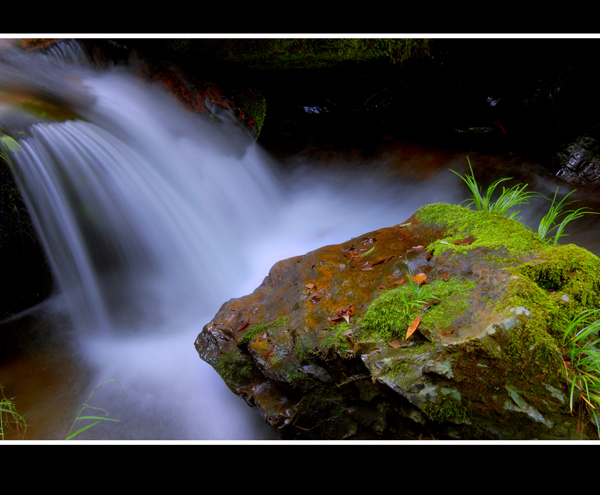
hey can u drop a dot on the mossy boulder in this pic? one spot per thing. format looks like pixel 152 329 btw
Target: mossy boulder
pixel 321 348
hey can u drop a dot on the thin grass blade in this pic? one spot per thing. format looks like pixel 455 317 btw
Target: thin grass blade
pixel 81 429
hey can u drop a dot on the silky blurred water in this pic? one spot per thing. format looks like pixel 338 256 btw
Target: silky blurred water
pixel 152 218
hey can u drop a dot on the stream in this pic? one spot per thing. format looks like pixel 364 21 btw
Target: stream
pixel 152 218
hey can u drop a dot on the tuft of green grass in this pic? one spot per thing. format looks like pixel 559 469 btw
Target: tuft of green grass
pixel 416 288
pixel 582 338
pixel 508 199
pixel 517 195
pixel 9 415
pixel 557 209
pixel 84 417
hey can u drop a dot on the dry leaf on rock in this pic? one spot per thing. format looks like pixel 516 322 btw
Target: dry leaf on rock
pixel 464 242
pixel 419 278
pixel 413 326
pixel 343 314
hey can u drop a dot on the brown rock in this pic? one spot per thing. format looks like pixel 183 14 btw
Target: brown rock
pixel 320 347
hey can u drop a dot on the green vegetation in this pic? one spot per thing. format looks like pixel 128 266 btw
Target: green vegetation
pixel 517 195
pixel 553 282
pixel 9 193
pixel 445 409
pixel 9 416
pixel 508 199
pixel 390 315
pixel 417 291
pixel 307 53
pixel 484 230
pixel 9 144
pixel 548 222
pixel 81 417
pixel 560 289
pixel 560 283
pixel 335 339
pixel 256 329
pixel 258 109
pixel 235 368
pixel 581 339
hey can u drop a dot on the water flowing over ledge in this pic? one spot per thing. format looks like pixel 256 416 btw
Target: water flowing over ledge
pixel 151 218
pixel 144 212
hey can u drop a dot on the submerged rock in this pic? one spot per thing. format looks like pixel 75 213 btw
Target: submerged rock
pixel 320 348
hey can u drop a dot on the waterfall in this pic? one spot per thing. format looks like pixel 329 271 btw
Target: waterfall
pixel 145 212
pixel 140 206
pixel 152 217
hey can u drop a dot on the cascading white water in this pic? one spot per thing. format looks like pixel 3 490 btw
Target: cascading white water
pixel 144 212
pixel 152 218
pixel 136 217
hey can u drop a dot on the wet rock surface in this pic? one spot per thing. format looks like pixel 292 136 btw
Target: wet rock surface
pixel 25 278
pixel 320 348
pixel 578 162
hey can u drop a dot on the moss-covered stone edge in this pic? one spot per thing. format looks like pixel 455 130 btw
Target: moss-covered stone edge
pixel 550 284
pixel 303 53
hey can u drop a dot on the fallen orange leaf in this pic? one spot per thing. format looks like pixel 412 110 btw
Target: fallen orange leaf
pixel 465 242
pixel 413 326
pixel 419 278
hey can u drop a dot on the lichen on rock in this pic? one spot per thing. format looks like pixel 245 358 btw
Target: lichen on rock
pixel 321 346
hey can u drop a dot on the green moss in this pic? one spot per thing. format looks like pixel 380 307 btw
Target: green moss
pixel 301 53
pixel 554 288
pixel 533 342
pixel 252 107
pixel 235 368
pixel 402 368
pixel 570 270
pixel 446 409
pixel 554 283
pixel 253 331
pixel 390 315
pixel 303 347
pixel 489 230
pixel 258 110
pixel 335 339
pixel 533 349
